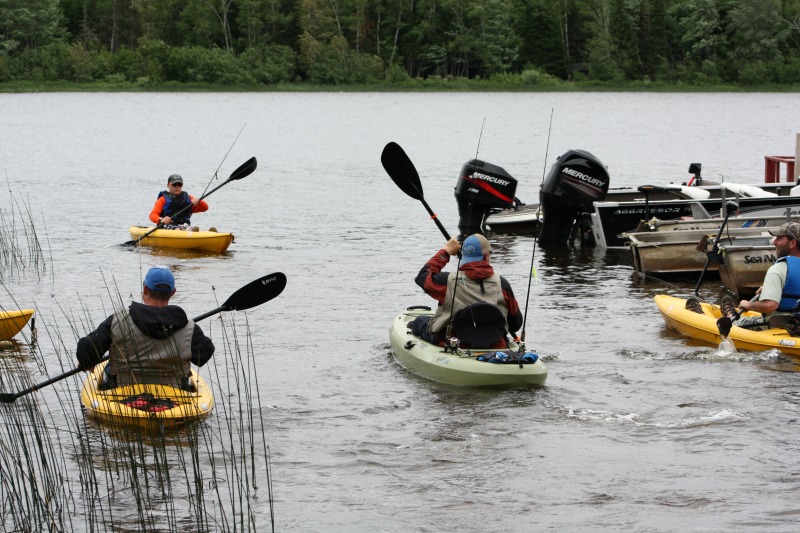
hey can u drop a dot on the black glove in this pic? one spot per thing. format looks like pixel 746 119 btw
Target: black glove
pixel 87 354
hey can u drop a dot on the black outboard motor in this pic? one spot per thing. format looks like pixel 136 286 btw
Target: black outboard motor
pixel 576 180
pixel 697 179
pixel 482 189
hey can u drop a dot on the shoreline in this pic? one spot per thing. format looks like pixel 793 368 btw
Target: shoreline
pixel 417 86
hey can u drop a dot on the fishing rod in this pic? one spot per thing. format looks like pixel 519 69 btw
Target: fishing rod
pixel 535 240
pixel 478 148
pixel 449 330
pixel 216 172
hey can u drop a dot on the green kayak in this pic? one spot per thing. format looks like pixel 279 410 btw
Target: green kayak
pixel 464 367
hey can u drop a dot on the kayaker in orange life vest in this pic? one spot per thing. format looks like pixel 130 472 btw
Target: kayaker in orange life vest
pixel 149 342
pixel 477 282
pixel 171 201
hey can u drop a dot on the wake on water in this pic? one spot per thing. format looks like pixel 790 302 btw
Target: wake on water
pixel 725 348
pixel 726 351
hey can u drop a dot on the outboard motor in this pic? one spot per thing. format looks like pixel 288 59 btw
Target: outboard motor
pixel 482 189
pixel 576 180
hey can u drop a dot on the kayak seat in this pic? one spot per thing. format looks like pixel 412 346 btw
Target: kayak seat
pixel 480 325
pixel 188 385
pixel 109 381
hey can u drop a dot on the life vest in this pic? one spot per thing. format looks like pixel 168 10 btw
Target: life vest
pixel 173 203
pixel 469 291
pixel 791 289
pixel 134 357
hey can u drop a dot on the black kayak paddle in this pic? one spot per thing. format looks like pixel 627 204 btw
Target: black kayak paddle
pixel 725 322
pixel 402 171
pixel 730 208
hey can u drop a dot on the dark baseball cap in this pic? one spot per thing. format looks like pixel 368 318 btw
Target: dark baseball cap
pixel 790 229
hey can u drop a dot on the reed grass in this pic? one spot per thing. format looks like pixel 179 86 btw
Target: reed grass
pixel 20 246
pixel 63 471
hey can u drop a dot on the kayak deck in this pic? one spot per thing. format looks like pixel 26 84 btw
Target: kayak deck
pixel 12 322
pixel 143 405
pixel 704 327
pixel 461 368
pixel 209 241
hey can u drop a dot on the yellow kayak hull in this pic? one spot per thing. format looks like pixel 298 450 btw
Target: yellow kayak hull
pixel 12 322
pixel 209 241
pixel 704 327
pixel 145 405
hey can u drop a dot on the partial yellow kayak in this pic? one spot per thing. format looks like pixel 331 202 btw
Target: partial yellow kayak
pixel 209 241
pixel 704 327
pixel 12 322
pixel 145 405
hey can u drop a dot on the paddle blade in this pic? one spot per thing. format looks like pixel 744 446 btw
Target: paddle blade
pixel 256 292
pixel 401 170
pixel 724 325
pixel 7 397
pixel 246 168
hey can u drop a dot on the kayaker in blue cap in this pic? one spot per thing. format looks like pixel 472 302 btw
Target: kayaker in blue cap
pixel 477 282
pixel 150 342
pixel 173 200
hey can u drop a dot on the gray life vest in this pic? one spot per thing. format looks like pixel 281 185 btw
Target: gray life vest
pixel 136 358
pixel 469 292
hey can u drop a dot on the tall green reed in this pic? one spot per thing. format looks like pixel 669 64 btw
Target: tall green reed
pixel 20 245
pixel 61 470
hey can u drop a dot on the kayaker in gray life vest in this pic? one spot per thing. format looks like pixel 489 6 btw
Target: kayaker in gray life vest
pixel 778 296
pixel 477 282
pixel 150 342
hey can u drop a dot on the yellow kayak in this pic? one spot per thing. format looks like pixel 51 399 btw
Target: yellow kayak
pixel 209 241
pixel 12 322
pixel 143 405
pixel 704 327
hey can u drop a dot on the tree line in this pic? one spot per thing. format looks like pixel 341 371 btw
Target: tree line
pixel 331 42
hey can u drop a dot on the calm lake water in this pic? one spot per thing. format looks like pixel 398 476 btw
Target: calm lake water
pixel 637 429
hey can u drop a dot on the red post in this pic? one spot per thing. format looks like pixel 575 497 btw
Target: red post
pixel 772 168
pixel 769 170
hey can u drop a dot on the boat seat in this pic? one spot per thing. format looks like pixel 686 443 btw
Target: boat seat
pixel 480 325
pixel 750 191
pixel 694 193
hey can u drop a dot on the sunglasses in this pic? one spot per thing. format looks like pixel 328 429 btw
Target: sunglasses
pixel 177 184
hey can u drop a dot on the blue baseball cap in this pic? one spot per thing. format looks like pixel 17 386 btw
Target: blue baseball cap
pixel 159 279
pixel 473 248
